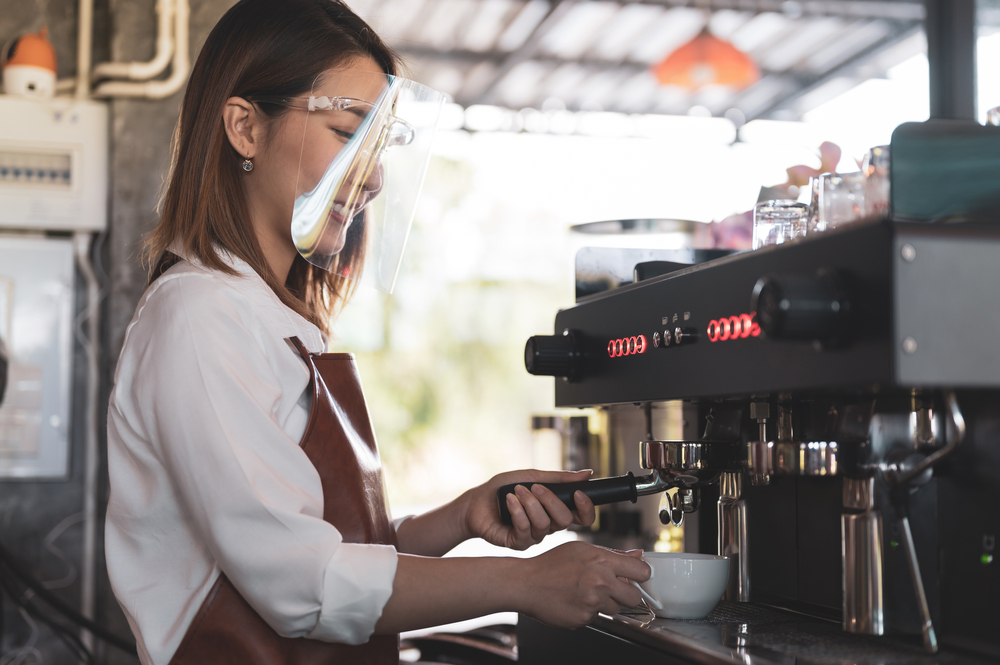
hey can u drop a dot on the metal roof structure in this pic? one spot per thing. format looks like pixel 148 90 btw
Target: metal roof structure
pixel 596 55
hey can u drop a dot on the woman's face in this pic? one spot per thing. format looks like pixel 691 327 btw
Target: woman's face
pixel 304 143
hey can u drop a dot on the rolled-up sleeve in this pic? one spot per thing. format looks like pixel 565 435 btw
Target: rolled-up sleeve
pixel 207 395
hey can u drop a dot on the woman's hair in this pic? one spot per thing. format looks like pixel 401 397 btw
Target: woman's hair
pixel 260 48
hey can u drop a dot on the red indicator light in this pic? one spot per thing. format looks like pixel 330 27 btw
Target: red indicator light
pixel 739 326
pixel 627 346
pixel 737 322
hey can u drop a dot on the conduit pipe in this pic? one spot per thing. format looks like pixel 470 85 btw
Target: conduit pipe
pixel 85 30
pixel 179 66
pixel 82 243
pixel 141 71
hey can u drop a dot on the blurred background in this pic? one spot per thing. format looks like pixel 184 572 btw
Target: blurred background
pixel 562 113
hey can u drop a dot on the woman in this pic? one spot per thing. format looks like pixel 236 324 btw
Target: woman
pixel 246 522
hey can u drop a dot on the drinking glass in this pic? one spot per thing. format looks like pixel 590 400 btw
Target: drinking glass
pixel 841 200
pixel 993 116
pixel 776 222
pixel 875 168
pixel 810 197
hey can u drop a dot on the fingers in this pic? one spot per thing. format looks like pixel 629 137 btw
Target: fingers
pixel 626 595
pixel 610 608
pixel 554 514
pixel 541 522
pixel 561 476
pixel 630 566
pixel 544 510
pixel 586 513
pixel 575 581
pixel 536 476
pixel 538 512
pixel 559 515
pixel 520 524
pixel 530 523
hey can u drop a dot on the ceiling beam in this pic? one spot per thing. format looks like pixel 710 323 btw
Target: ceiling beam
pixel 848 67
pixel 902 10
pixel 468 58
pixel 798 82
pixel 557 10
pixel 803 81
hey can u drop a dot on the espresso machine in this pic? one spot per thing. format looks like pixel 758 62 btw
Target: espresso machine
pixel 843 450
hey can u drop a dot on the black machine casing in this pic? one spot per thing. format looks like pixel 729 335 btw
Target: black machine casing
pixel 945 299
pixel 921 311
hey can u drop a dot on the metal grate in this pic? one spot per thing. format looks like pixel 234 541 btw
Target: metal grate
pixel 746 631
pixel 750 615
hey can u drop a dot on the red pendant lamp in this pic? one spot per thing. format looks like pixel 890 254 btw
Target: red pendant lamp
pixel 707 60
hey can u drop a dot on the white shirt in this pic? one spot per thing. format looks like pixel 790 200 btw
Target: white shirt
pixel 206 415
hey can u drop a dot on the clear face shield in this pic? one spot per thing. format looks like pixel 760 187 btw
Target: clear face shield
pixel 365 147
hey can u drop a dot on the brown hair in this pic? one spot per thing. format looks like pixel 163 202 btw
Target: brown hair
pixel 260 48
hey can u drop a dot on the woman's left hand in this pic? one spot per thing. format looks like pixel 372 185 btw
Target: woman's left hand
pixel 534 513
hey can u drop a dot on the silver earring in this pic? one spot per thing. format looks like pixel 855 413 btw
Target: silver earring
pixel 247 164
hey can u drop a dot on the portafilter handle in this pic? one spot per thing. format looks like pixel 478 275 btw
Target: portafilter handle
pixel 600 491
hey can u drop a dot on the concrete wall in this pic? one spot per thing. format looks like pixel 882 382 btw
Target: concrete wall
pixel 30 510
pixel 139 152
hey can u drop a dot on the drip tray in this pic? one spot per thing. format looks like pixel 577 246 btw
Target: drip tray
pixel 757 634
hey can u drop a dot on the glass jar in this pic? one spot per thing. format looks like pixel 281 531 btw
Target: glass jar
pixel 841 200
pixel 779 221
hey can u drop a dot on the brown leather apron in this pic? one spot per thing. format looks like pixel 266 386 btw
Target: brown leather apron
pixel 340 443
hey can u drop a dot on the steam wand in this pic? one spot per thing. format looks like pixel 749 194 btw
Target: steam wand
pixel 902 476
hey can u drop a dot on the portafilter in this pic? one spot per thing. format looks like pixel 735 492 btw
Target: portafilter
pixel 687 465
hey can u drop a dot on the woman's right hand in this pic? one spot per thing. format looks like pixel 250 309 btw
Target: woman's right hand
pixel 568 585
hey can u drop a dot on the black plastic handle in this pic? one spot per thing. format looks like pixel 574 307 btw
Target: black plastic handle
pixel 600 491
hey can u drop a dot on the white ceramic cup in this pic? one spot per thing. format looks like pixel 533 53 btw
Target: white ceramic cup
pixel 684 586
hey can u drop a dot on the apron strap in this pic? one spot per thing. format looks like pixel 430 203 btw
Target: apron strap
pixel 300 347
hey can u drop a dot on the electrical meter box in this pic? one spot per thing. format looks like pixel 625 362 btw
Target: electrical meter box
pixel 36 326
pixel 53 164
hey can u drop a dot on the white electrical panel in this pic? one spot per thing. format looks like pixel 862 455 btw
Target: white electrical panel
pixel 53 164
pixel 36 325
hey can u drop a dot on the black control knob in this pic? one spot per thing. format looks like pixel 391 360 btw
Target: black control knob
pixel 803 307
pixel 552 355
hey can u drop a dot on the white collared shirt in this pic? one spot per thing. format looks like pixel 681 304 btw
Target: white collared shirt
pixel 209 406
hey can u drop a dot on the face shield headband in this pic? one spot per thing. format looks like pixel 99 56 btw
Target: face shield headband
pixel 366 144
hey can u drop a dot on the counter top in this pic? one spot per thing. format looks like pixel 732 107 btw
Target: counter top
pixel 754 634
